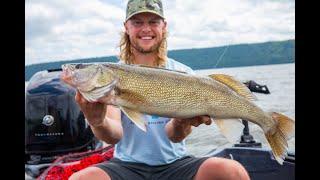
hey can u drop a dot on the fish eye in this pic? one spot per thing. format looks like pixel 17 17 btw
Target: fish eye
pixel 79 66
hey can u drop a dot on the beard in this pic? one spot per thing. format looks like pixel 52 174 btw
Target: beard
pixel 140 49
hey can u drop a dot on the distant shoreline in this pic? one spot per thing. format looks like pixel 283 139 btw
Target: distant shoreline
pixel 245 66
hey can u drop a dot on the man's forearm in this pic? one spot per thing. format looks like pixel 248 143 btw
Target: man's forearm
pixel 110 131
pixel 176 131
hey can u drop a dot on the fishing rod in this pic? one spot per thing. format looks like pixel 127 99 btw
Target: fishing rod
pixel 223 53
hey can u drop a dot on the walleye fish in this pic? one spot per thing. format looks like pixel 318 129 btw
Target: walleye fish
pixel 138 89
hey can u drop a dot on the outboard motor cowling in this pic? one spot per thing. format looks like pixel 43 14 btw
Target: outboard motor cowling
pixel 54 124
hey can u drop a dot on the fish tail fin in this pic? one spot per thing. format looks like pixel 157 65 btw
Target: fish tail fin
pixel 278 136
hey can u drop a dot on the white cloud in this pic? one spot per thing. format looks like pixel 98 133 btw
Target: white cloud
pixel 221 22
pixel 60 29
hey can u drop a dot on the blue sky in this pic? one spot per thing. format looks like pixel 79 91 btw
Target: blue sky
pixel 72 29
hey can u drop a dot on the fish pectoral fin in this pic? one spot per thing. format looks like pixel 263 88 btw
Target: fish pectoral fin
pixel 231 128
pixel 235 85
pixel 136 117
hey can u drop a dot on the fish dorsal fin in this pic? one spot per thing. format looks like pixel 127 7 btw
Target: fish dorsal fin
pixel 230 128
pixel 162 68
pixel 136 117
pixel 235 85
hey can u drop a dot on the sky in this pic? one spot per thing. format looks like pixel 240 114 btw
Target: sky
pixel 58 30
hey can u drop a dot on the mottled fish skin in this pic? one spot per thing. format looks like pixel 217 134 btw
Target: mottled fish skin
pixel 174 94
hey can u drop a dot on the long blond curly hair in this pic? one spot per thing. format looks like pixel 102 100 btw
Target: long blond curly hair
pixel 126 54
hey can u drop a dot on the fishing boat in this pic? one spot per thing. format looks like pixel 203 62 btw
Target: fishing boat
pixel 58 142
pixel 258 161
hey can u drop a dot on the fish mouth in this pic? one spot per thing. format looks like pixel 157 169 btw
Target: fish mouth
pixel 67 70
pixel 66 74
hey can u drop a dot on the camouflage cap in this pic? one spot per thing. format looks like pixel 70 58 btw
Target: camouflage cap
pixel 139 6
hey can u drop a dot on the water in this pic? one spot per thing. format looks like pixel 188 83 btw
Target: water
pixel 280 80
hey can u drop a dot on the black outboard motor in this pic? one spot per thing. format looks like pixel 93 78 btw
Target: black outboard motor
pixel 255 87
pixel 54 124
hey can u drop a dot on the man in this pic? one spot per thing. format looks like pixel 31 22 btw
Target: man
pixel 160 152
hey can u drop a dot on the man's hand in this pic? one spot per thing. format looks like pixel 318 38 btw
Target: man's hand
pixel 177 129
pixel 195 121
pixel 105 121
pixel 94 112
